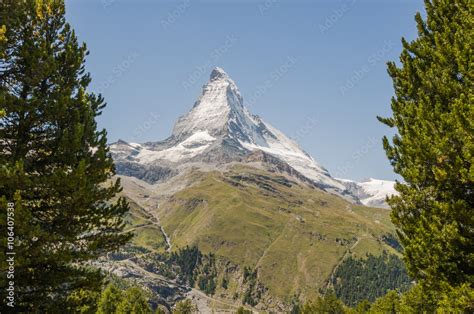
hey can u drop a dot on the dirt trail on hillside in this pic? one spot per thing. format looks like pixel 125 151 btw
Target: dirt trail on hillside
pixel 346 255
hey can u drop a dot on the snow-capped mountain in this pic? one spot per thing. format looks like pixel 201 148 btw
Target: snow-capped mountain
pixel 371 192
pixel 219 129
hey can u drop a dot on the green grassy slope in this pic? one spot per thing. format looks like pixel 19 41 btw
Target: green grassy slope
pixel 147 233
pixel 293 234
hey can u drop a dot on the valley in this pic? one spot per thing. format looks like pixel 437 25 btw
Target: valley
pixel 229 211
pixel 245 217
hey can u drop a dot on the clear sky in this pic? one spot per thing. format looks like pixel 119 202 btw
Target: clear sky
pixel 314 69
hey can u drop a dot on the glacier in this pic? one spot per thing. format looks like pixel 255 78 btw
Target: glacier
pixel 219 129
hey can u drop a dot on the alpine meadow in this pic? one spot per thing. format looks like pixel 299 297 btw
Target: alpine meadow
pixel 146 204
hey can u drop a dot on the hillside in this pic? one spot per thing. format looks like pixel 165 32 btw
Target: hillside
pixel 251 217
pixel 231 206
pixel 219 130
pixel 276 225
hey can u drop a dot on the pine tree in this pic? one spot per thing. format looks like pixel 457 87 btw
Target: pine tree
pixel 134 301
pixel 433 112
pixel 329 304
pixel 417 300
pixel 185 307
pixel 83 302
pixel 109 300
pixel 54 163
pixel 242 310
pixel 388 304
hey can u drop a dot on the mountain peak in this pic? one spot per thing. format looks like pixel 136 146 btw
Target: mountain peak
pixel 218 130
pixel 220 102
pixel 219 123
pixel 218 73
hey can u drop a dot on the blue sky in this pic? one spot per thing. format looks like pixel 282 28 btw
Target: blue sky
pixel 314 69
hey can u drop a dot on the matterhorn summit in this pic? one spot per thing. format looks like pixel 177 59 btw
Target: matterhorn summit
pixel 219 130
pixel 219 111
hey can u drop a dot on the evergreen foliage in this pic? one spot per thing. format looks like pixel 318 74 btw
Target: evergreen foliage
pixel 115 301
pixel 388 304
pixel 188 259
pixel 370 278
pixel 185 307
pixel 54 163
pixel 252 294
pixel 433 112
pixel 418 300
pixel 56 169
pixel 83 301
pixel 196 268
pixel 242 310
pixel 393 241
pixel 134 302
pixel 328 304
pixel 363 306
pixel 225 283
pixel 208 276
pixel 109 300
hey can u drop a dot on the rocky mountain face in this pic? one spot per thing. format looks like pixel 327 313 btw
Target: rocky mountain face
pixel 219 130
pixel 371 192
pixel 227 206
pixel 254 222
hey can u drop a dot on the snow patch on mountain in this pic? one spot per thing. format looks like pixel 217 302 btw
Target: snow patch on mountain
pixel 219 100
pixel 277 144
pixel 188 148
pixel 221 112
pixel 122 150
pixel 135 145
pixel 220 129
pixel 378 190
pixel 371 192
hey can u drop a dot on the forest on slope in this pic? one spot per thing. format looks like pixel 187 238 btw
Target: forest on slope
pixel 58 186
